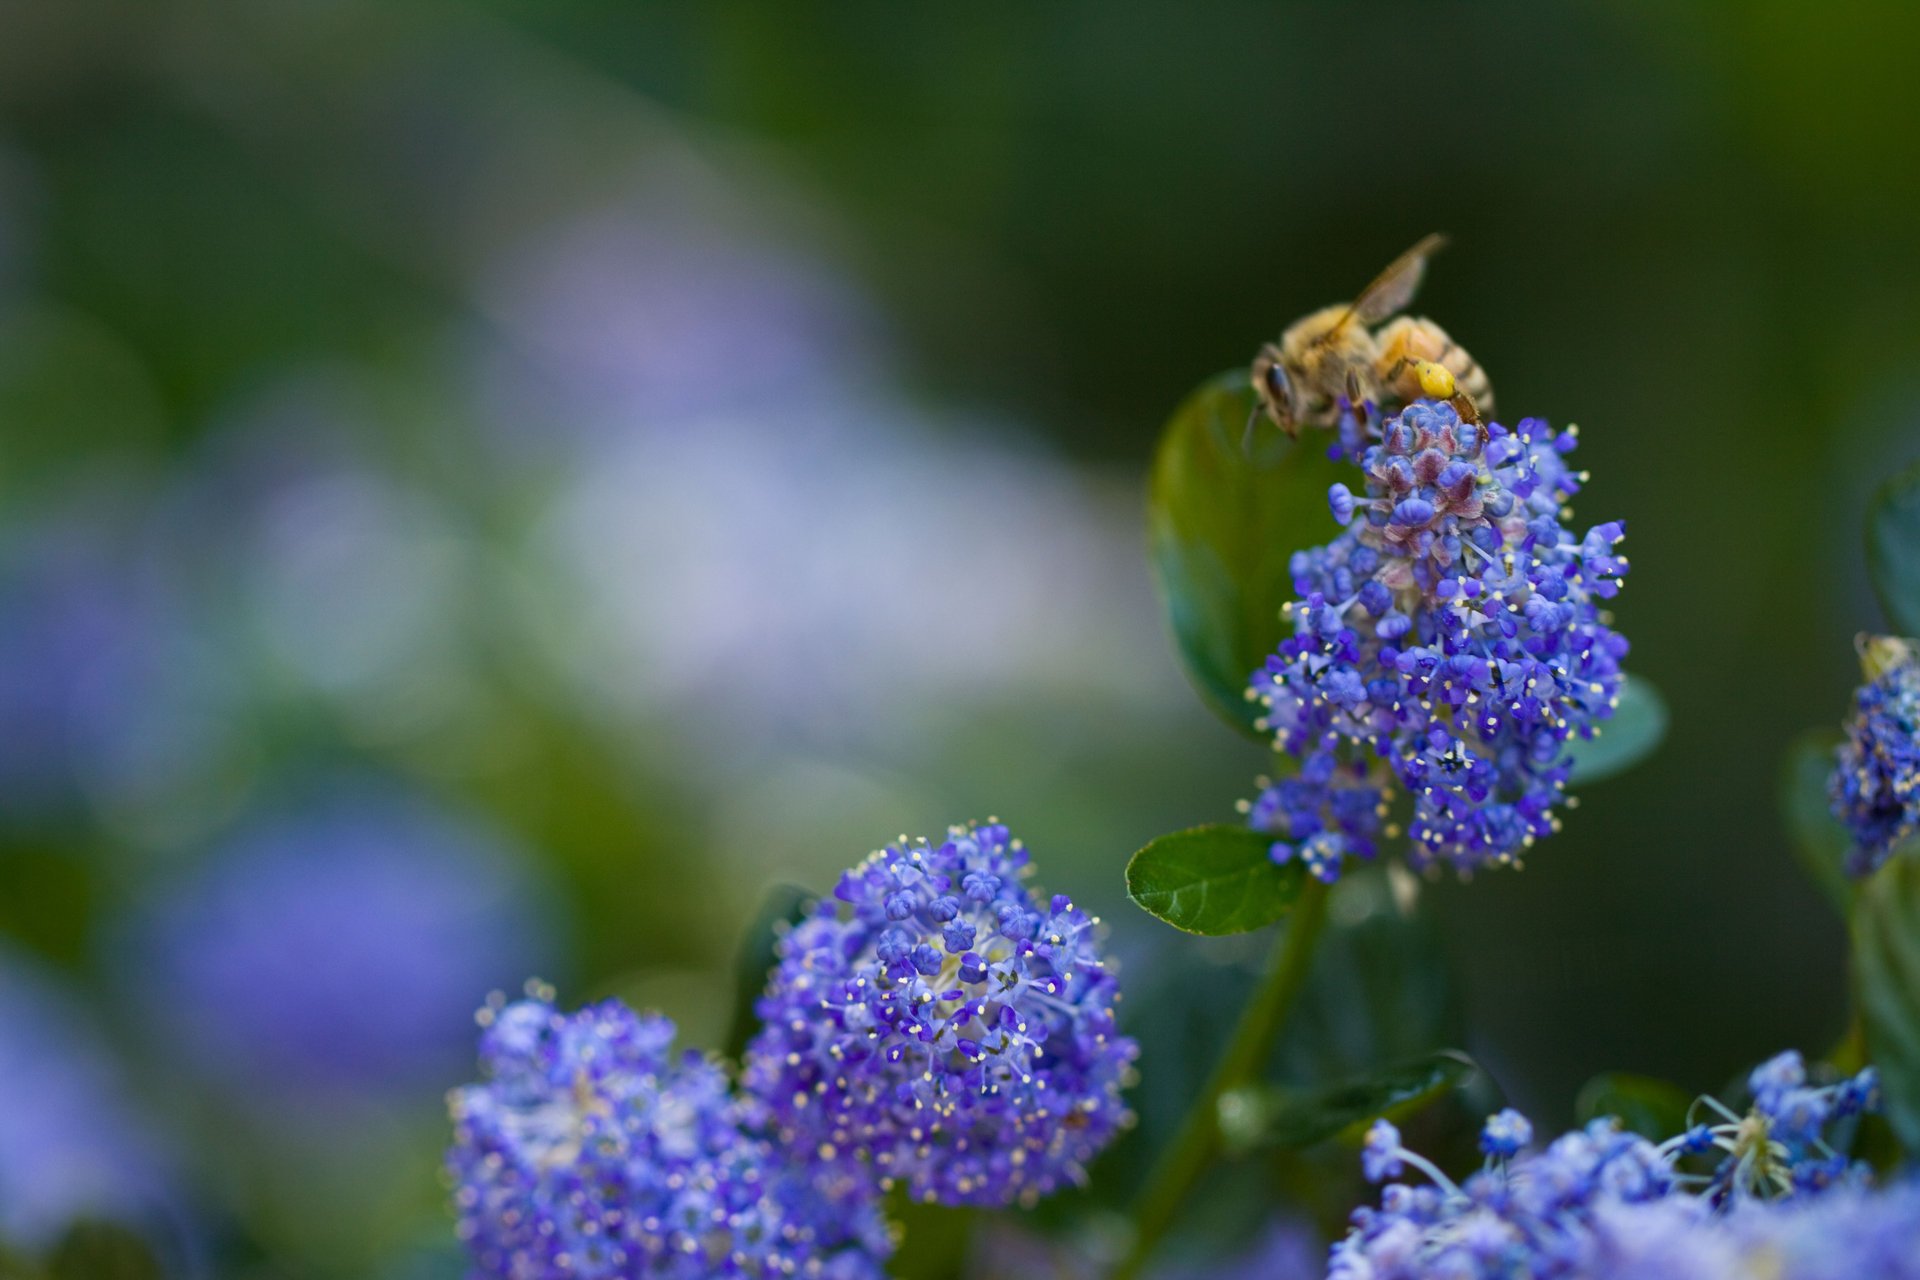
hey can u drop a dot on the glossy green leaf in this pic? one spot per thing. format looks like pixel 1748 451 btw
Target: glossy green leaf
pixel 1213 880
pixel 1893 549
pixel 781 907
pixel 1225 512
pixel 1650 1107
pixel 102 1251
pixel 1266 1117
pixel 1886 971
pixel 1819 840
pixel 1626 737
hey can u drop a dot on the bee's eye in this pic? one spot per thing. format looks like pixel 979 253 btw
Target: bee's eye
pixel 1277 384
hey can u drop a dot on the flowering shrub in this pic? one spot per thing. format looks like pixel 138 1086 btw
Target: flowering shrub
pixel 938 1034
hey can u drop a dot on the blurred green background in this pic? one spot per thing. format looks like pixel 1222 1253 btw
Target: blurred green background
pixel 485 489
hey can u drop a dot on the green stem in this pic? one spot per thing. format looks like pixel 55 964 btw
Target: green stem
pixel 1194 1147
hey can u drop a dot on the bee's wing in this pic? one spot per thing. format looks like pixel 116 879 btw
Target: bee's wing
pixel 1394 288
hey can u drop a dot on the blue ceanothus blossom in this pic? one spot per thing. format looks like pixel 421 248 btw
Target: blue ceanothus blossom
pixel 415 907
pixel 939 1024
pixel 1855 1232
pixel 591 1151
pixel 1450 642
pixel 1595 1196
pixel 1875 784
pixel 72 1142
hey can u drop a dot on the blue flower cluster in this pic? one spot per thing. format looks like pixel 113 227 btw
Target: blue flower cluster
pixel 1544 1215
pixel 939 1024
pixel 591 1151
pixel 935 1023
pixel 1451 641
pixel 416 907
pixel 1875 784
pixel 72 1142
pixel 1855 1233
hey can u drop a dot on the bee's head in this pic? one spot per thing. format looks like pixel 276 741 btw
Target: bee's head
pixel 1276 389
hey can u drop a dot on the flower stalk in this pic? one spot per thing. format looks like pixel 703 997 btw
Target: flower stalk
pixel 1199 1139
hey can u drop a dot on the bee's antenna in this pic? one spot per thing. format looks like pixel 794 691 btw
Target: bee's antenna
pixel 1246 439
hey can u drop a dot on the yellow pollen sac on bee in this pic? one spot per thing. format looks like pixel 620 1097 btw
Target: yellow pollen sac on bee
pixel 1436 380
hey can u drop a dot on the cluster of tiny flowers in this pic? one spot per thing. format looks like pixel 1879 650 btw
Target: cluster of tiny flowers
pixel 590 1150
pixel 1875 784
pixel 1541 1215
pixel 1856 1233
pixel 1450 640
pixel 938 1024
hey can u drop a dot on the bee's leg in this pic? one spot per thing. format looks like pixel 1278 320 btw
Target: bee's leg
pixel 1464 406
pixel 1390 380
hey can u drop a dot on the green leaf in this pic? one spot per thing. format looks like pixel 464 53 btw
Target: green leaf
pixel 1625 738
pixel 1225 513
pixel 1820 841
pixel 1266 1117
pixel 1886 972
pixel 1650 1107
pixel 781 907
pixel 1893 549
pixel 1213 880
pixel 102 1251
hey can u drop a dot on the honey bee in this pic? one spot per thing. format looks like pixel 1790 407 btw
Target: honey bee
pixel 1336 352
pixel 1417 358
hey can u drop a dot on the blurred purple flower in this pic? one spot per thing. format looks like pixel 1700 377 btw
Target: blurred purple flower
pixel 101 689
pixel 1857 1232
pixel 320 567
pixel 655 309
pixel 747 521
pixel 792 578
pixel 341 943
pixel 70 1145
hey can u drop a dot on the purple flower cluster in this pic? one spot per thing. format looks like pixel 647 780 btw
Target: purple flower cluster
pixel 934 1023
pixel 416 907
pixel 1551 1214
pixel 1450 641
pixel 72 1144
pixel 1855 1233
pixel 937 1024
pixel 1875 784
pixel 591 1151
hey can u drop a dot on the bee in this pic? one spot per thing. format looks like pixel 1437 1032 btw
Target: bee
pixel 1417 358
pixel 1336 352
